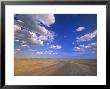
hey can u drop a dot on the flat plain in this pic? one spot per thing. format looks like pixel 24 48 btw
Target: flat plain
pixel 54 67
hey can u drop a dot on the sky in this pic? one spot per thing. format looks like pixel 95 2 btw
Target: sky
pixel 62 36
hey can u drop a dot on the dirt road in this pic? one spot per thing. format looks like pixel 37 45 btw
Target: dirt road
pixel 64 69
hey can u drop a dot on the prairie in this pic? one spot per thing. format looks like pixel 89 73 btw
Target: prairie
pixel 54 67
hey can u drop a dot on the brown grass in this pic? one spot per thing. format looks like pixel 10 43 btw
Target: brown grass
pixel 26 65
pixel 23 65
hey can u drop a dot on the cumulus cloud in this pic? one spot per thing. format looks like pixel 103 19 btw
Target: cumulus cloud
pixel 46 19
pixel 81 45
pixel 91 46
pixel 87 37
pixel 50 52
pixel 33 22
pixel 26 26
pixel 17 27
pixel 18 49
pixel 39 52
pixel 42 37
pixel 17 40
pixel 49 36
pixel 55 47
pixel 31 50
pixel 35 41
pixel 20 21
pixel 23 42
pixel 77 49
pixel 22 34
pixel 80 29
pixel 25 45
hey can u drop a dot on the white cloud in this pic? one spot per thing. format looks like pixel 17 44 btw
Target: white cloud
pixel 80 29
pixel 88 47
pixel 55 47
pixel 17 40
pixel 17 49
pixel 32 26
pixel 20 21
pixel 42 30
pixel 49 36
pixel 31 50
pixel 76 49
pixel 33 22
pixel 21 34
pixel 27 25
pixel 87 37
pixel 25 45
pixel 42 37
pixel 50 52
pixel 39 52
pixel 35 41
pixel 16 27
pixel 46 19
pixel 81 45
pixel 92 46
pixel 23 42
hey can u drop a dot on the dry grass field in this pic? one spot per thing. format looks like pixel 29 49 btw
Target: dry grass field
pixel 54 67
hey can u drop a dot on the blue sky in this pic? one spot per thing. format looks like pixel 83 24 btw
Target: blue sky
pixel 55 36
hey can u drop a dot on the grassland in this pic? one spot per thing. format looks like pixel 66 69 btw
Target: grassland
pixel 25 67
